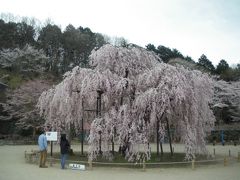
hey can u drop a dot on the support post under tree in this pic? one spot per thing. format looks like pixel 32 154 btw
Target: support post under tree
pixel 113 140
pixel 98 113
pixel 99 100
pixel 157 138
pixel 82 135
pixel 82 140
pixel 112 146
pixel 169 137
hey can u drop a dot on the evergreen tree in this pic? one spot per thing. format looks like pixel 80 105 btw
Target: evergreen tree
pixel 206 63
pixel 222 67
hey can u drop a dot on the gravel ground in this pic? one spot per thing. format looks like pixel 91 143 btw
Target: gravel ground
pixel 14 167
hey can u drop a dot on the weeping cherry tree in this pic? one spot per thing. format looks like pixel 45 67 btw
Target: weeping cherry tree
pixel 139 93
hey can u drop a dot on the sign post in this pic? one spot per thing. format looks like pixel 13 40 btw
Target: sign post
pixel 51 136
pixel 51 148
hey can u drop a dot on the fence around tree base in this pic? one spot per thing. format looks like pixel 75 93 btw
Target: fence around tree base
pixel 33 157
pixel 144 165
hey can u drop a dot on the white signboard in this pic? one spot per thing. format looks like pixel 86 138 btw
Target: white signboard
pixel 77 166
pixel 51 136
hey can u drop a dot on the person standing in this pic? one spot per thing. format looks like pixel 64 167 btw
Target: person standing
pixel 42 143
pixel 64 149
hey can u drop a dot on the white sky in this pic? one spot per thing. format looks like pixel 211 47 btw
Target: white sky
pixel 194 27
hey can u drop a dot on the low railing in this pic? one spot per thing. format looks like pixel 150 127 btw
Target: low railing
pixel 33 157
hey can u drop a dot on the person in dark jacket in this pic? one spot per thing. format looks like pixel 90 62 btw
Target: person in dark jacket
pixel 64 149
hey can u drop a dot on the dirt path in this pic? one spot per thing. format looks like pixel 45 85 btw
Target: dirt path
pixel 13 167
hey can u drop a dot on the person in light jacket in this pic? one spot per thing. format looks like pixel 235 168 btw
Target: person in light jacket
pixel 42 144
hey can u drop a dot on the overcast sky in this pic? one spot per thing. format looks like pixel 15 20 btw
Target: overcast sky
pixel 194 27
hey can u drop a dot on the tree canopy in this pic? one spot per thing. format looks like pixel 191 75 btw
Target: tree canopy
pixel 138 93
pixel 28 59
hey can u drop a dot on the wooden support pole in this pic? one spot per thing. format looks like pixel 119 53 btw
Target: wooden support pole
pixel 169 137
pixel 82 137
pixel 82 141
pixel 161 148
pixel 157 138
pixel 98 113
pixel 100 142
pixel 112 146
pixel 193 164
pixel 225 161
